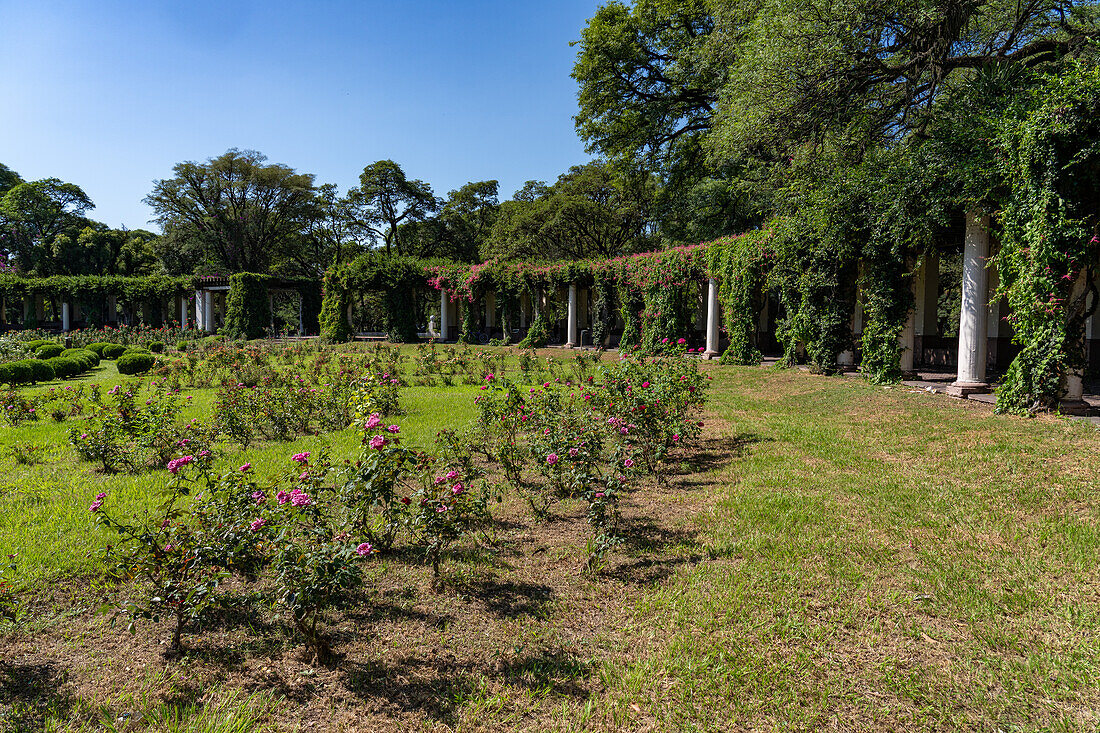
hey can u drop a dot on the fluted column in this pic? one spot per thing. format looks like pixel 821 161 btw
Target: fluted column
pixel 444 316
pixel 571 319
pixel 208 311
pixel 974 314
pixel 712 319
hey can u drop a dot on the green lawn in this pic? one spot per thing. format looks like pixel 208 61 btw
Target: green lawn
pixel 841 556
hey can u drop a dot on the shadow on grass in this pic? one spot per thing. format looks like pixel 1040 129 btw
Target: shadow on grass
pixel 648 571
pixel 512 600
pixel 435 688
pixel 30 696
pixel 556 672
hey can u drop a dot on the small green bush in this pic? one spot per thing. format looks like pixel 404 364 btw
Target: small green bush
pixel 15 372
pixel 182 346
pixel 113 351
pixel 135 362
pixel 157 347
pixel 88 354
pixel 64 367
pixel 40 371
pixel 49 351
pixel 136 350
pixel 31 346
pixel 98 348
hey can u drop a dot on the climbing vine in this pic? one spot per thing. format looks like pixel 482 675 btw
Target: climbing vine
pixel 1050 154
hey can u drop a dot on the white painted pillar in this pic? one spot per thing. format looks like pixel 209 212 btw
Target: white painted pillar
pixel 490 310
pixel 208 311
pixel 908 343
pixel 847 358
pixel 444 315
pixel 65 320
pixel 571 319
pixel 973 320
pixel 712 320
pixel 183 311
pixel 1075 386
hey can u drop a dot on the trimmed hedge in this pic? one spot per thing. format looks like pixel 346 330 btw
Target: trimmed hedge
pixel 49 351
pixel 181 346
pixel 16 372
pixel 112 351
pixel 31 346
pixel 98 348
pixel 83 353
pixel 41 371
pixel 135 362
pixel 64 367
pixel 157 347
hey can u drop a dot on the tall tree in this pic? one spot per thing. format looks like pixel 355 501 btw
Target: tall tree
pixel 9 179
pixel 385 199
pixel 33 214
pixel 591 211
pixel 242 213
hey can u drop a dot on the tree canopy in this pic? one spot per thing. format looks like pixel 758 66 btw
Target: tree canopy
pixel 240 213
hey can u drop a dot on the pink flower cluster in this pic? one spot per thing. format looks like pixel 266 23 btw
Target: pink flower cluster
pixel 176 464
pixel 95 505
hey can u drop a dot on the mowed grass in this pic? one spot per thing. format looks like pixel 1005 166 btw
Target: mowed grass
pixel 881 559
pixel 860 559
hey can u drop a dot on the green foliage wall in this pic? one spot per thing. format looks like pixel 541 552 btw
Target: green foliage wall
pixel 248 306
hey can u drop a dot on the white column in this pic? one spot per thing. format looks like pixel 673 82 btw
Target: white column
pixel 571 319
pixel 974 316
pixel 444 315
pixel 1075 387
pixel 712 319
pixel 208 311
pixel 183 311
pixel 65 316
pixel 847 358
pixel 908 343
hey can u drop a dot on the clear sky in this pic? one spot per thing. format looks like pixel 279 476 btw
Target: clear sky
pixel 110 95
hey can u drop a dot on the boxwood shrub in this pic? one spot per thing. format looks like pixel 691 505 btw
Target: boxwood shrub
pixel 64 367
pixel 135 362
pixel 16 372
pixel 49 351
pixel 112 351
pixel 98 348
pixel 181 346
pixel 41 371
pixel 30 346
pixel 88 354
pixel 157 347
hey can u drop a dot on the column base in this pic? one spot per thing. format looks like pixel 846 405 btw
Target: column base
pixel 1075 407
pixel 711 355
pixel 570 346
pixel 965 389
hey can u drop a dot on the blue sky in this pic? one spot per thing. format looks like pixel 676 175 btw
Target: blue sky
pixel 110 95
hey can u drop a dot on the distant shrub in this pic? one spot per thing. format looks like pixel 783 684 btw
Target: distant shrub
pixel 182 346
pixel 41 371
pixel 87 354
pixel 49 351
pixel 157 347
pixel 98 348
pixel 16 372
pixel 65 367
pixel 31 346
pixel 135 362
pixel 112 351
